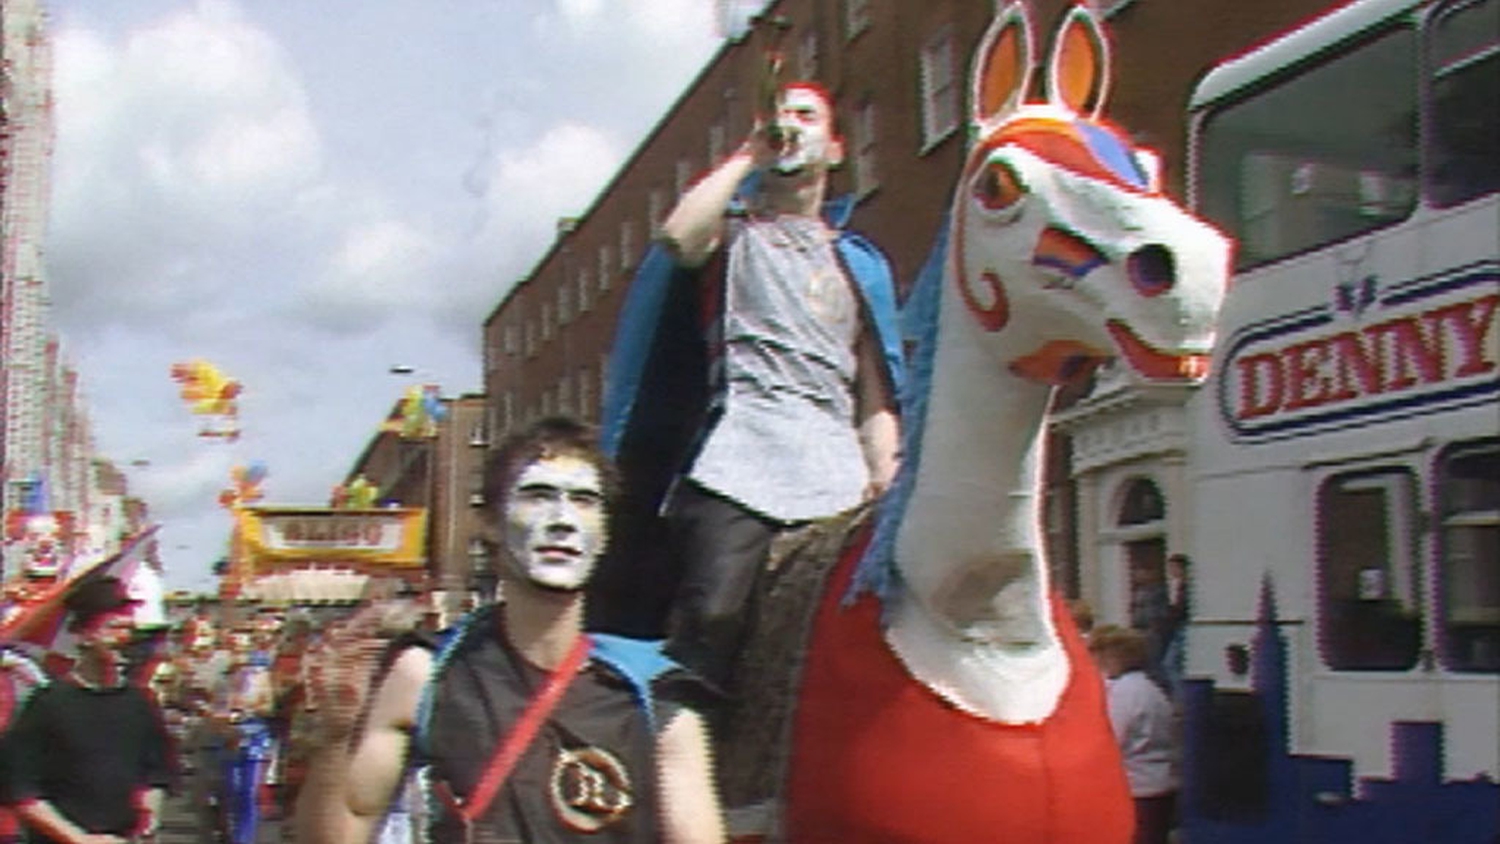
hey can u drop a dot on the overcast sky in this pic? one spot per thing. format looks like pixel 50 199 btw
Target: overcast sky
pixel 307 193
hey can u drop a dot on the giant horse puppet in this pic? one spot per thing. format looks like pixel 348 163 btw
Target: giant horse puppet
pixel 942 694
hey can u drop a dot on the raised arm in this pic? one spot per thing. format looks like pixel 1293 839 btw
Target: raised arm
pixel 695 225
pixel 689 795
pixel 350 783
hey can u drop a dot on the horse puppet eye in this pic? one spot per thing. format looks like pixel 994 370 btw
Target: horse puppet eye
pixel 998 188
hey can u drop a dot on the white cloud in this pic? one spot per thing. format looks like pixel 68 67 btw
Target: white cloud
pixel 378 269
pixel 308 193
pixel 186 484
pixel 557 175
pixel 179 140
pixel 580 13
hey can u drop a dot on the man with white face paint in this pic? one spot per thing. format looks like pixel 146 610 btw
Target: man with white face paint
pixel 587 737
pixel 804 366
pixel 555 523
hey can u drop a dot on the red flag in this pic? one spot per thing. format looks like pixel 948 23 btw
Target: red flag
pixel 40 619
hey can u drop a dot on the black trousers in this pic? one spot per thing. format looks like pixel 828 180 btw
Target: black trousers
pixel 1154 818
pixel 722 548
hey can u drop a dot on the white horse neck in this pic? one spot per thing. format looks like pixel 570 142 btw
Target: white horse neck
pixel 973 622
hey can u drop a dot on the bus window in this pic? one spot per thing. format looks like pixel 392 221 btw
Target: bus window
pixel 1368 618
pixel 1464 145
pixel 1323 154
pixel 1469 492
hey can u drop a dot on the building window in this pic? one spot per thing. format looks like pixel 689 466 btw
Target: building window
pixel 939 89
pixel 718 146
pixel 603 376
pixel 479 433
pixel 656 208
pixel 510 338
pixel 565 395
pixel 564 303
pixel 585 290
pixel 856 17
pixel 508 411
pixel 627 244
pixel 546 320
pixel 1368 618
pixel 476 486
pixel 682 176
pixel 585 395
pixel 606 266
pixel 807 55
pixel 1469 542
pixel 530 338
pixel 479 555
pixel 866 178
pixel 548 406
pixel 1143 513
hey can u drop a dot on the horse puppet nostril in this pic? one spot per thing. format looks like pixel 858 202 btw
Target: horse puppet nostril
pixel 1152 269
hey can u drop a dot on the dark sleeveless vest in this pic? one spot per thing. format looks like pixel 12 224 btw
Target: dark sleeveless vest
pixel 590 774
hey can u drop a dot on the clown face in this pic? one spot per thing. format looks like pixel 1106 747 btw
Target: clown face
pixel 555 523
pixel 805 123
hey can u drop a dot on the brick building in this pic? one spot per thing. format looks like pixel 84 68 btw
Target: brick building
pixel 443 474
pixel 898 72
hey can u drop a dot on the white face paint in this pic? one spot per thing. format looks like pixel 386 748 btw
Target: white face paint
pixel 555 524
pixel 807 128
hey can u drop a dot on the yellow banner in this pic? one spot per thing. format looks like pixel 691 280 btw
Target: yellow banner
pixel 284 537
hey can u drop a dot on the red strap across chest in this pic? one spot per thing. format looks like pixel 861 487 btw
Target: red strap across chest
pixel 523 733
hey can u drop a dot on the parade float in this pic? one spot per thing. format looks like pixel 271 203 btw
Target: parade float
pixel 915 678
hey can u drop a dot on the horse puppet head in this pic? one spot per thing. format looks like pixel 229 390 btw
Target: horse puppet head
pixel 1062 253
pixel 1064 247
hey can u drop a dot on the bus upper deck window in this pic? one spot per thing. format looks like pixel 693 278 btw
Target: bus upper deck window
pixel 1304 160
pixel 1464 142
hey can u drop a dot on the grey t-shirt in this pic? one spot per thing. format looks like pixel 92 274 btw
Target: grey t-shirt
pixel 786 444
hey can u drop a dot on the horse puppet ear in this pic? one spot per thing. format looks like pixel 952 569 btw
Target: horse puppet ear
pixel 1078 69
pixel 1002 66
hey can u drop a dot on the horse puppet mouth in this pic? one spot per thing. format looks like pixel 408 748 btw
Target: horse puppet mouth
pixel 1153 363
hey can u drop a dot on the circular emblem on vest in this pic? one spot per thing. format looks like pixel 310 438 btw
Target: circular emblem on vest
pixel 590 788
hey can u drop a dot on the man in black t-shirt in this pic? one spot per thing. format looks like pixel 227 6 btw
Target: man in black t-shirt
pixel 89 754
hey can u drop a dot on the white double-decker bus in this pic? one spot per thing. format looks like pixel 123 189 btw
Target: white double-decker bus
pixel 1347 448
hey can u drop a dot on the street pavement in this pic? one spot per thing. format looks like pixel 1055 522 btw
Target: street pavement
pixel 183 823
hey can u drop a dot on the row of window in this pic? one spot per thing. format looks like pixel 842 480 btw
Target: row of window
pixel 573 298
pixel 940 107
pixel 940 87
pixel 575 394
pixel 1376 594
